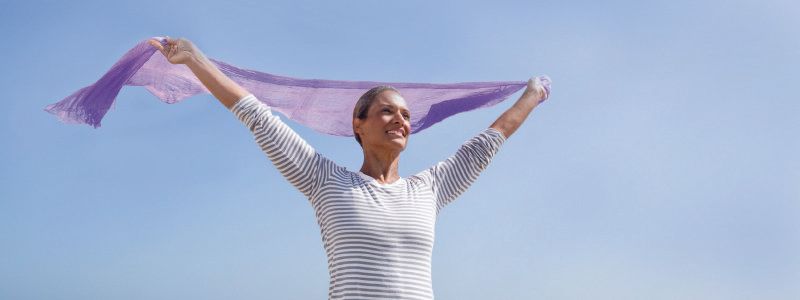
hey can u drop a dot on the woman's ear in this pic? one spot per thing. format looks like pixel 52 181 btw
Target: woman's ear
pixel 356 125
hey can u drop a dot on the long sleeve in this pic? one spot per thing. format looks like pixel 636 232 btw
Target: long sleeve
pixel 452 176
pixel 295 159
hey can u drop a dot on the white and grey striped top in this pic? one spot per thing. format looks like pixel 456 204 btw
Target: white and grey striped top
pixel 378 237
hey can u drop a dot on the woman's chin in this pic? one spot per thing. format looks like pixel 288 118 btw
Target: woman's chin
pixel 398 143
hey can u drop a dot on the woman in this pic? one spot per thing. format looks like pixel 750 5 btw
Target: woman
pixel 377 228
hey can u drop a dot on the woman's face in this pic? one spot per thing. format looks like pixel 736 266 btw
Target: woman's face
pixel 387 124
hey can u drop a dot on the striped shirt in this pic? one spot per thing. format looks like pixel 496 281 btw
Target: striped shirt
pixel 378 237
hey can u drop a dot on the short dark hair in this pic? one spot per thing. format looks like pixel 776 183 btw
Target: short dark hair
pixel 362 106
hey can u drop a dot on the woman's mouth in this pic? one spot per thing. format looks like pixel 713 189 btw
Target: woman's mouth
pixel 395 132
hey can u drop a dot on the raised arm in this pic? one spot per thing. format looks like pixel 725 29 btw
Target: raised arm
pixel 182 51
pixel 454 175
pixel 295 159
pixel 304 167
pixel 537 91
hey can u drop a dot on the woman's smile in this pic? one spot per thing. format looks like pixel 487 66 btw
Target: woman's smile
pixel 395 132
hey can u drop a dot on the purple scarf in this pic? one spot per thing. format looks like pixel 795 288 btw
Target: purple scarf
pixel 323 105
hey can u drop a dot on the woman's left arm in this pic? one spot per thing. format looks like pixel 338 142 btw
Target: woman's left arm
pixel 538 91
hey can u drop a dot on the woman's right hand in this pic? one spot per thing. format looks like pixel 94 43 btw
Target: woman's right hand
pixel 177 51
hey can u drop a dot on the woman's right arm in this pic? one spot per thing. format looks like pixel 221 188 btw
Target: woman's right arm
pixel 295 159
pixel 298 162
pixel 183 51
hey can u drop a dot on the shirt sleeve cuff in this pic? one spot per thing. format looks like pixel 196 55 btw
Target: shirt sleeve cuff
pixel 497 133
pixel 242 102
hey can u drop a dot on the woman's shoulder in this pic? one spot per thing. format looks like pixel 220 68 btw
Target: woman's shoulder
pixel 423 177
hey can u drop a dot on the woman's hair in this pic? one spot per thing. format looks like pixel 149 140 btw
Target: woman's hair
pixel 363 104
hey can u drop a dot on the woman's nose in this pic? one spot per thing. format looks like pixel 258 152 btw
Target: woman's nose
pixel 398 118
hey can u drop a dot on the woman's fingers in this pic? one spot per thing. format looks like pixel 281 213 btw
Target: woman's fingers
pixel 542 83
pixel 156 44
pixel 541 86
pixel 167 49
pixel 172 49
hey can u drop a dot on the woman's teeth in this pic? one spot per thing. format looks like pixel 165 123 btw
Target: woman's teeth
pixel 395 132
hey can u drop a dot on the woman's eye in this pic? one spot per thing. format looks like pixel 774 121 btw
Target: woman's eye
pixel 407 117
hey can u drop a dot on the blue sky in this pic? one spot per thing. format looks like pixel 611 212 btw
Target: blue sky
pixel 665 165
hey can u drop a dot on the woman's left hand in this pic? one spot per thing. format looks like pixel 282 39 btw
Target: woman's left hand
pixel 539 88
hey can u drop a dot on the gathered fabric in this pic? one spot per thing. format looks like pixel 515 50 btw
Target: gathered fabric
pixel 325 106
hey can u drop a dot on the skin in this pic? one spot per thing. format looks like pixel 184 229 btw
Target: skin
pixel 381 150
pixel 182 51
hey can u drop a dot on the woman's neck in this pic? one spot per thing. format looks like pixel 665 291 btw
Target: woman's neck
pixel 381 166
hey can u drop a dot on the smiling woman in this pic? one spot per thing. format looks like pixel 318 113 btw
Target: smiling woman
pixel 377 228
pixel 361 108
pixel 378 231
pixel 382 132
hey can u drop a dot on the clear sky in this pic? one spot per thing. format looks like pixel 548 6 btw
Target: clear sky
pixel 665 165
